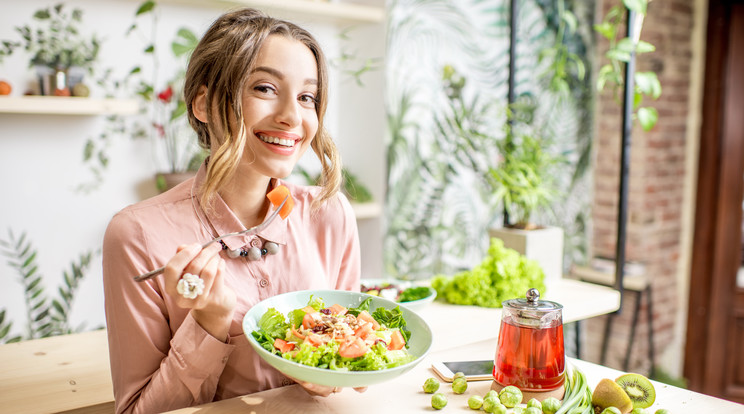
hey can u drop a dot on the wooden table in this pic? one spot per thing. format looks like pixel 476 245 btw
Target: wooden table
pixel 405 395
pixel 71 373
pixel 58 374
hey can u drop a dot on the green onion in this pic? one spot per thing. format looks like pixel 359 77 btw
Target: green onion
pixel 578 396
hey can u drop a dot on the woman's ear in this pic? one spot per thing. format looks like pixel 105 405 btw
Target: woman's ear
pixel 199 106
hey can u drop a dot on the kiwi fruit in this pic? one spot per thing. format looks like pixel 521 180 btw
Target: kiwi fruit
pixel 639 389
pixel 609 393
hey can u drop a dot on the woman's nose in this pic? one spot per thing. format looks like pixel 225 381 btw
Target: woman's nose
pixel 288 112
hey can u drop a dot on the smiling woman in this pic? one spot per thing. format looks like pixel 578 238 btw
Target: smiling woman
pixel 256 94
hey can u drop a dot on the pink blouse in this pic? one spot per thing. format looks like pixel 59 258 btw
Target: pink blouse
pixel 161 359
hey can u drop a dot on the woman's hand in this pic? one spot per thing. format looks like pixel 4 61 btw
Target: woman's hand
pixel 213 308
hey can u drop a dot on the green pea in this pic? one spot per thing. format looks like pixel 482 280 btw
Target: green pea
pixel 459 386
pixel 534 402
pixel 475 402
pixel 431 385
pixel 510 396
pixel 551 405
pixel 438 401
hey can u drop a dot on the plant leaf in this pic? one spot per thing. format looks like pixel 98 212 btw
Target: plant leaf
pixel 145 7
pixel 647 116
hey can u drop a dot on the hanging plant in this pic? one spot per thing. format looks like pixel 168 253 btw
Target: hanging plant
pixel 621 51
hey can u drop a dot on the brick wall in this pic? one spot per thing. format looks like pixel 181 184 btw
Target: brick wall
pixel 657 170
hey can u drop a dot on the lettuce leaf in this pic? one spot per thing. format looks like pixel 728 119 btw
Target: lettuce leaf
pixel 392 319
pixel 273 323
pixel 503 274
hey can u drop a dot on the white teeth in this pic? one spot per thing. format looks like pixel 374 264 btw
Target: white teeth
pixel 274 140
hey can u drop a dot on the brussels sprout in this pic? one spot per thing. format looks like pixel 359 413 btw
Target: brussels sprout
pixel 491 404
pixel 534 402
pixel 475 402
pixel 460 385
pixel 458 375
pixel 550 405
pixel 662 411
pixel 492 394
pixel 431 385
pixel 611 410
pixel 510 396
pixel 533 410
pixel 438 401
pixel 639 411
pixel 518 410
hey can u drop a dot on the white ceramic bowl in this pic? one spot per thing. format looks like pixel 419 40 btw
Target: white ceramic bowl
pixel 419 343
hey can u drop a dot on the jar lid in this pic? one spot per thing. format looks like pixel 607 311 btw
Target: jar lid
pixel 532 302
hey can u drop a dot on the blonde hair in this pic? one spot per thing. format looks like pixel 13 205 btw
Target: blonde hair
pixel 221 62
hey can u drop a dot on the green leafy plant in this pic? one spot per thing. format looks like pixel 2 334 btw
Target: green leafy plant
pixel 503 274
pixel 45 317
pixel 621 50
pixel 162 117
pixel 525 177
pixel 55 40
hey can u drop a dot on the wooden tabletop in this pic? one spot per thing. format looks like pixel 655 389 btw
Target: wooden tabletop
pixel 56 374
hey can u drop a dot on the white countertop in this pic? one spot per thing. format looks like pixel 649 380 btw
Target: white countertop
pixel 405 395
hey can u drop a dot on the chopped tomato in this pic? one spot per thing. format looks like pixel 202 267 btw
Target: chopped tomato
pixel 314 340
pixel 396 341
pixel 308 322
pixel 353 348
pixel 277 195
pixel 337 309
pixel 364 330
pixel 282 345
pixel 309 309
pixel 365 316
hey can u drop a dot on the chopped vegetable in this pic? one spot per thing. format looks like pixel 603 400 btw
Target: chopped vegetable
pixel 277 195
pixel 335 337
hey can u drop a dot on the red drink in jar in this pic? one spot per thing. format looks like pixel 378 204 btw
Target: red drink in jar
pixel 530 358
pixel 530 353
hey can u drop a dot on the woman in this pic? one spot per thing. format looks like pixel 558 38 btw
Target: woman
pixel 256 89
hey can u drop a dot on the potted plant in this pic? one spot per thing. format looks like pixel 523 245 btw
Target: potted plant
pixel 524 182
pixel 57 46
pixel 164 109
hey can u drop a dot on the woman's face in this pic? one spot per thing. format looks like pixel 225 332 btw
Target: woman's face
pixel 279 107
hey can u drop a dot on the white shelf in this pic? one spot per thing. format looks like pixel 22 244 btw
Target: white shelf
pixel 318 10
pixel 59 105
pixel 366 210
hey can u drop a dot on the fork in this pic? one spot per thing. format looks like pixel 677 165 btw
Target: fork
pixel 247 232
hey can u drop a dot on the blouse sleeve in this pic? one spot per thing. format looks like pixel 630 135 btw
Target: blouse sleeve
pixel 153 368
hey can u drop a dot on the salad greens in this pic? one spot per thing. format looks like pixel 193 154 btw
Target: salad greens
pixel 503 274
pixel 337 338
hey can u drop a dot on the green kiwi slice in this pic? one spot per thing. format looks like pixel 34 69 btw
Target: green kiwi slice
pixel 639 389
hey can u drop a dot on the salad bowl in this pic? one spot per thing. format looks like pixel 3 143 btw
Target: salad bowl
pixel 418 344
pixel 392 289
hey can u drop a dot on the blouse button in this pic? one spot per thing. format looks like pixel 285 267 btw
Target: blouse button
pixel 255 242
pixel 263 283
pixel 224 360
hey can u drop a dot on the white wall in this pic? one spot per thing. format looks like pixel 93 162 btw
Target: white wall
pixel 40 155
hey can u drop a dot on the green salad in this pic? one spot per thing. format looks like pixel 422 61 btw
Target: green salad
pixel 334 337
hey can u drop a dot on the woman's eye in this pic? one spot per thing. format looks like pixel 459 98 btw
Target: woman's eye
pixel 308 99
pixel 267 89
